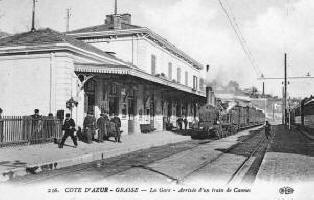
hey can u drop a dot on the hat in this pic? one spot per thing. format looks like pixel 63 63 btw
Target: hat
pixel 68 115
pixel 36 111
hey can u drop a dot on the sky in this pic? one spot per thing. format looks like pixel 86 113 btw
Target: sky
pixel 201 29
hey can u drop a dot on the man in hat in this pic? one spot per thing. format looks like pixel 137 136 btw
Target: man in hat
pixel 69 128
pixel 102 127
pixel 267 130
pixel 36 125
pixel 117 122
pixel 89 127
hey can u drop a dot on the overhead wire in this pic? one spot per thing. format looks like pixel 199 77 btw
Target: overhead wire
pixel 232 20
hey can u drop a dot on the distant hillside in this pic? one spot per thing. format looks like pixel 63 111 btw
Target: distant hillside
pixel 4 34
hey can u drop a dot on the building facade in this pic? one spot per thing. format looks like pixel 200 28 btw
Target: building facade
pixel 116 67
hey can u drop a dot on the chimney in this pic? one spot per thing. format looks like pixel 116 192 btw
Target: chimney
pixel 210 95
pixel 114 21
pixel 126 18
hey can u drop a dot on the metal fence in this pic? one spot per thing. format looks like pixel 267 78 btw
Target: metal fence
pixel 17 130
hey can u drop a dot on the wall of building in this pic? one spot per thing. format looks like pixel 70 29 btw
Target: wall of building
pixel 138 50
pixel 43 81
pixel 163 57
pixel 24 84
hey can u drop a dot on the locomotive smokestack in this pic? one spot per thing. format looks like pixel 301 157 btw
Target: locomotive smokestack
pixel 210 95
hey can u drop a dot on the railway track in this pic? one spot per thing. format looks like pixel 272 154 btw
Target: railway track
pixel 260 143
pixel 236 175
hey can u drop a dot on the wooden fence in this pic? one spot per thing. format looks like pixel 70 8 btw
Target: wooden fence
pixel 15 130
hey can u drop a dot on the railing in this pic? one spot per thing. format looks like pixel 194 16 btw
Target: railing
pixel 17 130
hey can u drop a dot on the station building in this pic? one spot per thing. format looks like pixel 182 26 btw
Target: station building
pixel 115 67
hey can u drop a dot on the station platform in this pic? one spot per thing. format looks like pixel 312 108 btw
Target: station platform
pixel 22 160
pixel 289 157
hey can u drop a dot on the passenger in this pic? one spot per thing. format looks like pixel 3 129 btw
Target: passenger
pixel 36 126
pixel 179 122
pixel 267 130
pixel 101 126
pixel 69 128
pixel 89 127
pixel 117 122
pixel 185 123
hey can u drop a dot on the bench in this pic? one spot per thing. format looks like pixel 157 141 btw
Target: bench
pixel 146 128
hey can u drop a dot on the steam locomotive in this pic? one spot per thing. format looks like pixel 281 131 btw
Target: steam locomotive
pixel 303 114
pixel 218 119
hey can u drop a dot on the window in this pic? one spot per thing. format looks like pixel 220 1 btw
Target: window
pixel 194 82
pixel 179 75
pixel 170 71
pixel 201 84
pixel 90 86
pixel 153 64
pixel 113 90
pixel 186 78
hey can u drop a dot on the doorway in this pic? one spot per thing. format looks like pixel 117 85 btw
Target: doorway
pixel 90 100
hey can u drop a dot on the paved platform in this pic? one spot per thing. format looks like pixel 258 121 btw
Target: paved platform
pixel 289 158
pixel 21 160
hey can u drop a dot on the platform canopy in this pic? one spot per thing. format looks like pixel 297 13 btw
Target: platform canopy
pixel 92 68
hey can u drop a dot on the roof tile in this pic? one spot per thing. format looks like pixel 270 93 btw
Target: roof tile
pixel 48 36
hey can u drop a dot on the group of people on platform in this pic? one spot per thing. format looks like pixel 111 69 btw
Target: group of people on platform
pixel 104 126
pixel 93 130
pixel 181 121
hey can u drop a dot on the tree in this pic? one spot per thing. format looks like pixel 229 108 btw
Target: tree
pixel 234 85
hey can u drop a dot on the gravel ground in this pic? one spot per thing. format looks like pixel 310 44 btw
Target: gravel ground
pixel 99 169
pixel 176 162
pixel 224 167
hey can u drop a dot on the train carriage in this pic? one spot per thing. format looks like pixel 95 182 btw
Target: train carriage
pixel 224 119
pixel 303 114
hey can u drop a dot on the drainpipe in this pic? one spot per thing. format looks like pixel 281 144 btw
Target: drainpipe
pixel 50 81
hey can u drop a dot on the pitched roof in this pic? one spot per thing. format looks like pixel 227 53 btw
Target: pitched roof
pixel 103 27
pixel 106 30
pixel 48 36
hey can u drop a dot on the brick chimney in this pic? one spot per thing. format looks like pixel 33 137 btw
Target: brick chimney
pixel 115 21
pixel 126 18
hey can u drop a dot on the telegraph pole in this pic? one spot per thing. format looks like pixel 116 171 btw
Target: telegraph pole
pixel 33 17
pixel 68 20
pixel 116 7
pixel 285 90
